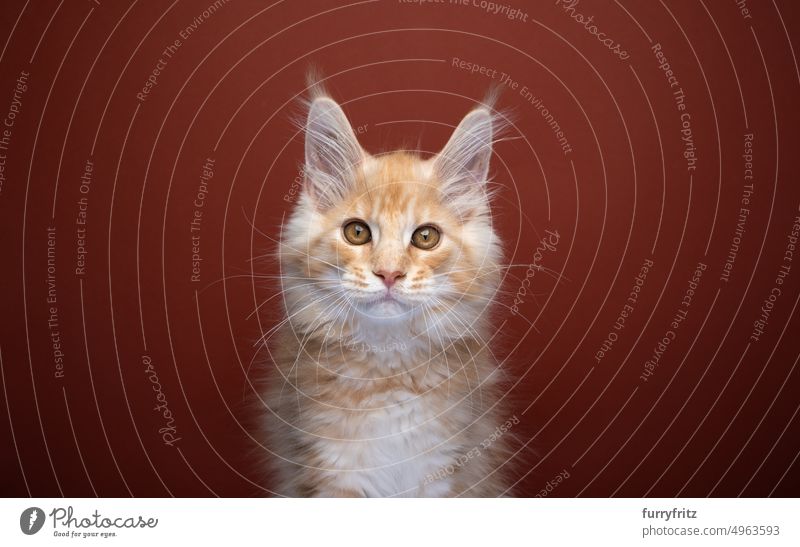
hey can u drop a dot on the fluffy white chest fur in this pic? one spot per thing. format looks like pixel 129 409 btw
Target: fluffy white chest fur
pixel 398 423
pixel 399 448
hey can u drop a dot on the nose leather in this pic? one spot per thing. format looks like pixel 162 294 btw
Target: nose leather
pixel 389 278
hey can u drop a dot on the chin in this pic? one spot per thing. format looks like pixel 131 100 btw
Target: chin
pixel 387 308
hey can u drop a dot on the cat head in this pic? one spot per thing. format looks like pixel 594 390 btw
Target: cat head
pixel 380 241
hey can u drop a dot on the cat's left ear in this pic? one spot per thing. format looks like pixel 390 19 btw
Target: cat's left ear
pixel 333 154
pixel 462 166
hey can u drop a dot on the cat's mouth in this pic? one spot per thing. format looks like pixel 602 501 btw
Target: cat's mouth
pixel 387 303
pixel 379 297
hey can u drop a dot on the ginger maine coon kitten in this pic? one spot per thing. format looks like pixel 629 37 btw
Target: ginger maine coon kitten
pixel 383 384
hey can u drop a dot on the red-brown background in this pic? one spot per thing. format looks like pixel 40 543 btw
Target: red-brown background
pixel 718 416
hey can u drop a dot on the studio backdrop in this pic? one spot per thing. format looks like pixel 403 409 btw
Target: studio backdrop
pixel 646 203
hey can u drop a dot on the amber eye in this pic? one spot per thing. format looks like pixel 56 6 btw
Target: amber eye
pixel 357 232
pixel 425 237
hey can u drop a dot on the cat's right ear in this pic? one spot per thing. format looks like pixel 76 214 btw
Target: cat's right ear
pixel 332 153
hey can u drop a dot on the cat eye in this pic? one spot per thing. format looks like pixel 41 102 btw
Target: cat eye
pixel 425 237
pixel 357 232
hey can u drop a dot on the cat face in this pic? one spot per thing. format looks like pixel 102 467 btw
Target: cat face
pixel 394 238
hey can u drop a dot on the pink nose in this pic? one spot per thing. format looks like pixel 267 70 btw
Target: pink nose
pixel 389 278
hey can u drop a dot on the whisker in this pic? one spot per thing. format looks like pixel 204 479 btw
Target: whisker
pixel 309 334
pixel 490 300
pixel 472 356
pixel 298 251
pixel 290 316
pixel 283 290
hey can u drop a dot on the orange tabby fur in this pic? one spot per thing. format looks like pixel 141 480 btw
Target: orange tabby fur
pixel 392 397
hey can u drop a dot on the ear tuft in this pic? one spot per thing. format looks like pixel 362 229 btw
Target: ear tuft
pixel 462 166
pixel 332 153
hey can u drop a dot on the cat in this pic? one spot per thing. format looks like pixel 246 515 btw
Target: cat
pixel 383 381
